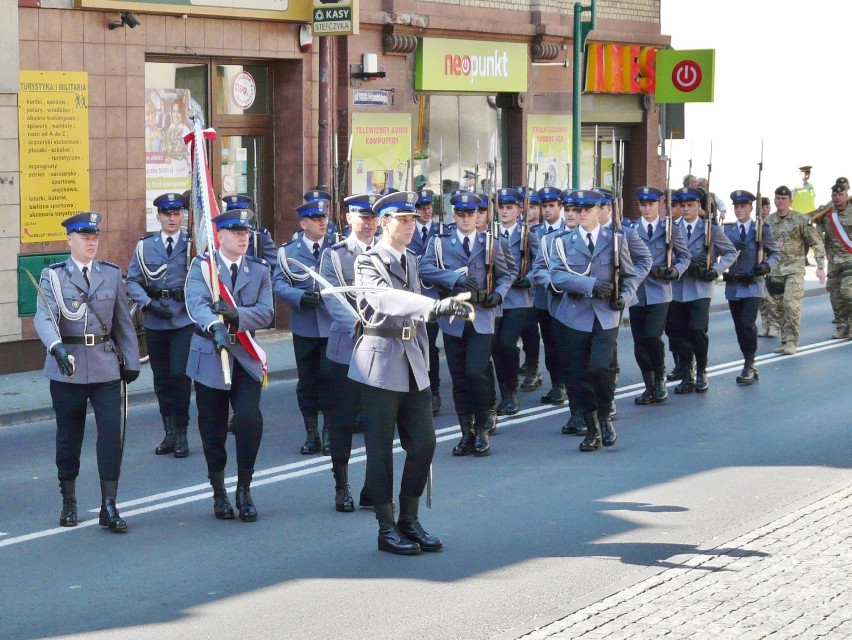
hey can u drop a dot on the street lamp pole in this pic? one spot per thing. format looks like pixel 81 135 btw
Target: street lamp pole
pixel 581 32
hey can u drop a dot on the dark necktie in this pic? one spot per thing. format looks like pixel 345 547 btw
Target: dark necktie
pixel 549 228
pixel 86 275
pixel 233 274
pixel 591 244
pixel 424 234
pixel 466 246
pixel 403 263
pixel 316 250
pixel 169 247
pixel 688 232
pixel 742 233
pixel 650 231
pixel 506 234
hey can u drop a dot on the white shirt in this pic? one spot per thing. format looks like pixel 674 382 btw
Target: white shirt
pixel 511 230
pixel 164 237
pixel 462 236
pixel 594 232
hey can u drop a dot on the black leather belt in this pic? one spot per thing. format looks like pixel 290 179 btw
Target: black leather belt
pixel 404 333
pixel 232 339
pixel 88 339
pixel 168 294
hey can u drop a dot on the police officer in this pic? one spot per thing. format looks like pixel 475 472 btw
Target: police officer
pixel 244 305
pixel 426 229
pixel 331 228
pixel 337 266
pixel 261 244
pixel 744 281
pixel 155 280
pixel 648 315
pixel 551 212
pixel 517 305
pixel 83 319
pixel 582 268
pixel 689 311
pixel 785 287
pixel 457 261
pixel 390 363
pixel 309 319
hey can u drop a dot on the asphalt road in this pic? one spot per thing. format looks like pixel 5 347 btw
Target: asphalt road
pixel 527 530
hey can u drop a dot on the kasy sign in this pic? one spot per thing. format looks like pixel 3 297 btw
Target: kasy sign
pixel 335 17
pixel 460 65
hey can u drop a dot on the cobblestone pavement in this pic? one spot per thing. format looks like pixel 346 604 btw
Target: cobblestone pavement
pixel 791 578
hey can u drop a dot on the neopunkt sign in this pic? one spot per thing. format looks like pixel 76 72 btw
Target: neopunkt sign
pixel 481 67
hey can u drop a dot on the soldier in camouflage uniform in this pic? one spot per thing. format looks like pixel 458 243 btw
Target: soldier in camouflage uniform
pixel 836 228
pixel 785 286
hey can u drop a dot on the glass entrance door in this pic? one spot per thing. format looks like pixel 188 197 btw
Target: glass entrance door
pixel 241 160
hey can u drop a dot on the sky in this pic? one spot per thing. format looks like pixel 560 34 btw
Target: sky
pixel 782 76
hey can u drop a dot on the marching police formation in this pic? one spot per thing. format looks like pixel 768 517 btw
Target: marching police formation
pixel 371 302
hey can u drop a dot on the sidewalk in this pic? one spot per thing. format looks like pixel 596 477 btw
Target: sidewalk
pixel 25 397
pixel 788 578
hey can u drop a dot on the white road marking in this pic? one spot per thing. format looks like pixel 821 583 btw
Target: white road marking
pixel 310 466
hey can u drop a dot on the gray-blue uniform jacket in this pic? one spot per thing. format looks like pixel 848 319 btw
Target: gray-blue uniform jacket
pixel 107 295
pixel 444 264
pixel 266 247
pixel 290 283
pixel 337 265
pixel 545 297
pixel 577 274
pixel 520 298
pixel 172 278
pixel 655 290
pixel 747 260
pixel 417 245
pixel 253 297
pixel 724 254
pixel 380 361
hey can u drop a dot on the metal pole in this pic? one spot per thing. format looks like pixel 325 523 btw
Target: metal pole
pixel 581 32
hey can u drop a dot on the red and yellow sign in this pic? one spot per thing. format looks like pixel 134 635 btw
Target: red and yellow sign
pixel 620 68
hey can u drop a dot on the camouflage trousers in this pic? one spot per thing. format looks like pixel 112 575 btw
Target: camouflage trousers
pixel 839 285
pixel 784 311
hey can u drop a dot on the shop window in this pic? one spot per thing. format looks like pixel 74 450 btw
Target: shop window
pixel 242 90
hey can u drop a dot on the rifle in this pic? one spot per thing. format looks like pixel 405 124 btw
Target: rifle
pixel 595 162
pixel 617 178
pixel 525 232
pixel 708 214
pixel 441 188
pixel 669 221
pixel 476 169
pixel 758 228
pixel 491 238
pixel 818 214
pixel 335 196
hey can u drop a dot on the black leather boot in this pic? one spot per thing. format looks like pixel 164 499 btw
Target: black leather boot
pixel 613 411
pixel 504 400
pixel 687 380
pixel 68 516
pixel 390 539
pixel 482 444
pixel 491 422
pixel 245 505
pixel 677 372
pixel 749 373
pixel 181 443
pixel 593 438
pixel 576 425
pixel 312 442
pixel 436 402
pixel 532 379
pixel 168 444
pixel 702 384
pixel 410 527
pixel 661 394
pixel 608 436
pixel 222 508
pixel 465 445
pixel 109 516
pixel 343 500
pixel 556 395
pixel 326 438
pixel 647 396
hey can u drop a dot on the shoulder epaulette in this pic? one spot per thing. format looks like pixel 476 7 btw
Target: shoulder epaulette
pixel 287 244
pixel 110 264
pixel 257 259
pixel 56 265
pixel 340 245
pixel 150 235
pixel 410 251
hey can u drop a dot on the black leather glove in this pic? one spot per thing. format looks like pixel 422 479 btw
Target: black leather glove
pixel 466 283
pixel 521 282
pixel 617 304
pixel 152 290
pixel 710 275
pixel 602 289
pixel 697 266
pixel 657 272
pixel 740 246
pixel 129 375
pixel 227 311
pixel 60 353
pixel 670 273
pixel 158 309
pixel 728 277
pixel 761 269
pixel 310 300
pixel 745 278
pixel 220 337
pixel 448 307
pixel 492 300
